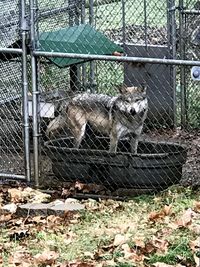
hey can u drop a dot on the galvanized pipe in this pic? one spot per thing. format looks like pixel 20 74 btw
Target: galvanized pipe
pixel 92 64
pixel 83 65
pixel 190 12
pixel 11 50
pixel 182 70
pixel 145 22
pixel 35 93
pixel 123 22
pixel 13 176
pixel 24 28
pixel 118 58
pixel 171 15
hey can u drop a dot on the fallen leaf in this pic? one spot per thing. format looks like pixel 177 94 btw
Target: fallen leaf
pixel 10 207
pixel 5 218
pixel 46 257
pixel 196 205
pixel 20 258
pixel 119 240
pixel 127 251
pixel 197 260
pixel 80 264
pixel 15 195
pixel 89 254
pixel 139 243
pixel 195 228
pixel 160 245
pixel 162 264
pixel 157 215
pixel 167 210
pixel 186 218
pixel 195 244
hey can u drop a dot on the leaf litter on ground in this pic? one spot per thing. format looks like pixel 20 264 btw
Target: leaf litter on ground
pixel 106 232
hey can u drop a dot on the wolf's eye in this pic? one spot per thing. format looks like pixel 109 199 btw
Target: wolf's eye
pixel 138 99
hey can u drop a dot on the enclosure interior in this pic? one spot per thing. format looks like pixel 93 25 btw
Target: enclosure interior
pixel 144 29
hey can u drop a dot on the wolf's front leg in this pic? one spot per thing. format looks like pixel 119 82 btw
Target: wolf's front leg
pixel 113 142
pixel 134 143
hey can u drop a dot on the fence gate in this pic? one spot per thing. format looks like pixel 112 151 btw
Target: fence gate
pixel 89 32
pixel 14 126
pixel 71 47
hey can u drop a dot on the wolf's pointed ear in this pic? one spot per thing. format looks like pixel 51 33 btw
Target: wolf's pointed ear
pixel 122 89
pixel 144 88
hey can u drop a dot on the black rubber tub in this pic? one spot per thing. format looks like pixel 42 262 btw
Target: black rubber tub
pixel 156 166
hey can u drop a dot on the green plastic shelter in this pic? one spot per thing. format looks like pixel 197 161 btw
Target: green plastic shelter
pixel 81 39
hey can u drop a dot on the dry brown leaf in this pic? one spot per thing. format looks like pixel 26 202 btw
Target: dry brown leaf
pixel 131 254
pixel 46 257
pixel 196 205
pixel 1 260
pixel 197 260
pixel 186 218
pixel 15 195
pixel 162 264
pixel 52 219
pixel 157 215
pixel 195 228
pixel 167 210
pixel 127 251
pixel 5 218
pixel 106 263
pixel 80 264
pixel 160 245
pixel 149 248
pixel 20 258
pixel 195 244
pixel 139 243
pixel 119 240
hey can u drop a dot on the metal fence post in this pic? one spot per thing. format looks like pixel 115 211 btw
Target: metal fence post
pixel 24 29
pixel 171 16
pixel 92 63
pixel 35 92
pixel 182 69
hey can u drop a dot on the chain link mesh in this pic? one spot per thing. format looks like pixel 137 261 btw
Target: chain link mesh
pixel 153 29
pixel 11 126
pixel 144 29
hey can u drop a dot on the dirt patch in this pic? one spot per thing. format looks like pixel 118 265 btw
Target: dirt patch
pixel 136 34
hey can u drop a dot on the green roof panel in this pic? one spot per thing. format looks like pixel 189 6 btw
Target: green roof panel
pixel 81 39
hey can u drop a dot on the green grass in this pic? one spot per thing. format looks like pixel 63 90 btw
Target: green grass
pixel 179 250
pixel 97 226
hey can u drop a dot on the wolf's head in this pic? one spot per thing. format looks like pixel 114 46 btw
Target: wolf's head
pixel 132 100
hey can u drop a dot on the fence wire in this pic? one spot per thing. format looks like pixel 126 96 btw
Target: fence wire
pixel 145 29
pixel 149 29
pixel 12 163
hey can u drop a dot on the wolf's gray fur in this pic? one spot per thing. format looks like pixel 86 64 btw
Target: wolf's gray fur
pixel 114 116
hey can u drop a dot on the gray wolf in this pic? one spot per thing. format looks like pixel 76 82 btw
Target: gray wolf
pixel 114 116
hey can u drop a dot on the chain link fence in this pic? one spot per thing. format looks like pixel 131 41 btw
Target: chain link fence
pixel 147 29
pixel 99 31
pixel 11 124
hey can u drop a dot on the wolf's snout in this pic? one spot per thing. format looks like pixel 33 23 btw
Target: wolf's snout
pixel 132 111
